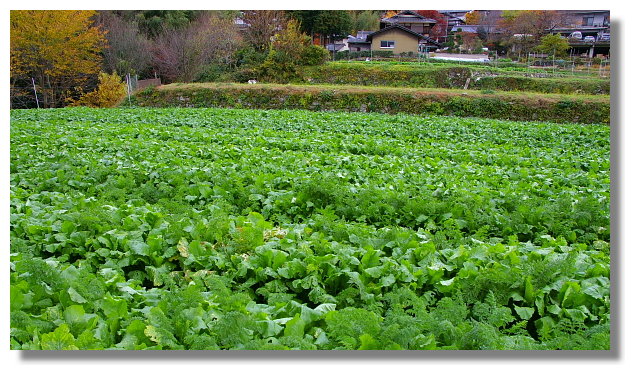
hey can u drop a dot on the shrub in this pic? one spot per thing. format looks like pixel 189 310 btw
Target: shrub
pixel 250 56
pixel 244 74
pixel 109 93
pixel 212 73
pixel 277 67
pixel 314 55
pixel 286 53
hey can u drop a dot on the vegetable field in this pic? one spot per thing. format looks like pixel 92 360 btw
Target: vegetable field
pixel 179 228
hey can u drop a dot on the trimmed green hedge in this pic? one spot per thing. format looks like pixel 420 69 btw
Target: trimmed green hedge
pixel 547 85
pixel 448 77
pixel 384 100
pixel 344 55
pixel 382 75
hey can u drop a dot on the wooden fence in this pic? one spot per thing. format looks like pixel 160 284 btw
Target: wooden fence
pixel 143 83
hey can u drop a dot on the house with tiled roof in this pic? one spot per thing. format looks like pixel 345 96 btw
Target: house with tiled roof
pixel 410 20
pixel 400 39
pixel 404 32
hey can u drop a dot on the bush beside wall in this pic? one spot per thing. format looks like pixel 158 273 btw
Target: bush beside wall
pixel 439 102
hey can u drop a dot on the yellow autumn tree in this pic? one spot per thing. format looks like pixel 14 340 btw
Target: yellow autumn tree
pixel 473 18
pixel 60 50
pixel 390 13
pixel 109 93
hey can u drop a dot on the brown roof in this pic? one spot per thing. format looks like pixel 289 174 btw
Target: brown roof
pixel 408 16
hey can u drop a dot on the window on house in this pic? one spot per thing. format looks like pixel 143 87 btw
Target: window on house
pixel 587 21
pixel 387 44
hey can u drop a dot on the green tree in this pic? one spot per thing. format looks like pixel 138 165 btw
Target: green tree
pixel 290 49
pixel 554 45
pixel 306 19
pixel 155 22
pixel 364 20
pixel 333 24
pixel 330 24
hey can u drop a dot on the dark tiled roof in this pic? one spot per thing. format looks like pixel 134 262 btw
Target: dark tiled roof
pixel 432 41
pixel 404 18
pixel 338 46
pixel 588 11
pixel 454 12
pixel 360 38
pixel 408 20
pixel 475 28
pixel 352 39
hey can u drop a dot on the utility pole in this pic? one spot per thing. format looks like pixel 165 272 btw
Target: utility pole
pixel 128 86
pixel 37 101
pixel 333 43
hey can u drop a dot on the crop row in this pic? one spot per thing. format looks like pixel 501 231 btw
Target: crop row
pixel 220 229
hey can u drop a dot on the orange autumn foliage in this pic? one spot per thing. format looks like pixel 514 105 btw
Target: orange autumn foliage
pixel 60 49
pixel 110 92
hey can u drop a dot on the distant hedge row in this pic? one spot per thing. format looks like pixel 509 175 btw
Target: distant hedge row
pixel 448 77
pixel 546 85
pixel 384 100
pixel 382 75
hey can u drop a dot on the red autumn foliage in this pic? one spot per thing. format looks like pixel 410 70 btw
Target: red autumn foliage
pixel 439 29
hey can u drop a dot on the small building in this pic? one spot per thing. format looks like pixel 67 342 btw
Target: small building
pixel 589 18
pixel 456 14
pixel 337 47
pixel 359 43
pixel 454 18
pixel 593 28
